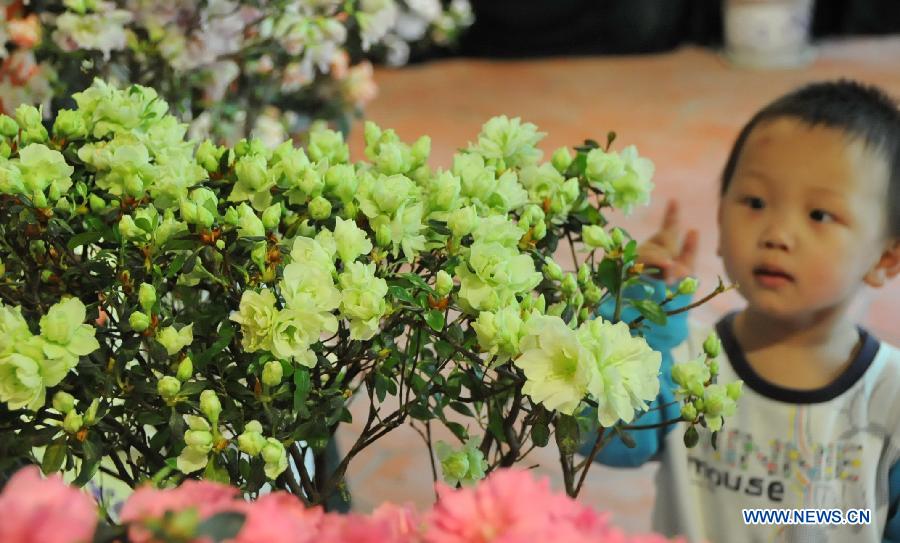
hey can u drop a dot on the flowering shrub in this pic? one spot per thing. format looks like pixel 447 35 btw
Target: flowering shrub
pixel 173 309
pixel 229 67
pixel 510 506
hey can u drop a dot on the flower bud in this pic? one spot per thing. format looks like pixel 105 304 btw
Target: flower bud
pixel 618 236
pixel 199 439
pixel 139 321
pixel 584 274
pixel 147 296
pixel 272 373
pixel 596 237
pixel 8 126
pixel 5 149
pixel 45 275
pixel 69 124
pixel 90 415
pixel 39 199
pixel 688 285
pixel 252 441
pixel 689 412
pixel 63 402
pixel 73 422
pixel 561 159
pixel 556 310
pixel 220 244
pixel 578 299
pixel 712 346
pixel 569 284
pixel 28 116
pixel 383 235
pixel 462 221
pixel 53 192
pixel 552 270
pixel 319 208
pixel 713 368
pixel 209 155
pixel 185 369
pixel 443 283
pixel 168 387
pixel 128 229
pixel 231 216
pixel 593 294
pixel 734 390
pixel 98 204
pixel 210 405
pixel 273 451
pixel 539 230
pixel 271 217
pixel 134 186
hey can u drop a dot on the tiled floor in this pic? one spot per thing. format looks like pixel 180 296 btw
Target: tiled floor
pixel 681 109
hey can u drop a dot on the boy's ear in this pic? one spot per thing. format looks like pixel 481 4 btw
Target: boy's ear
pixel 888 266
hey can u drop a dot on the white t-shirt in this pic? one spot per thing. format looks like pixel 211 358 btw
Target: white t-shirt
pixel 829 448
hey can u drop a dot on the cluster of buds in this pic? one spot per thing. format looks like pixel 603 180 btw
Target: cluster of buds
pixel 704 401
pixel 74 422
pixel 253 443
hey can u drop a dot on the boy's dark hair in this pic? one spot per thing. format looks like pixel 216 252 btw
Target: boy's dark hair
pixel 861 111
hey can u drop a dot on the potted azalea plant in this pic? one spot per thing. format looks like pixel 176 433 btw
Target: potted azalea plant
pixel 172 309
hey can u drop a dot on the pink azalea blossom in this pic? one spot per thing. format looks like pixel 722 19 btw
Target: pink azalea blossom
pixel 510 506
pixel 38 510
pixel 149 503
pixel 279 518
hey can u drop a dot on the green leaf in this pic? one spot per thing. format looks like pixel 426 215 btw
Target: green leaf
pixel 691 437
pixel 540 434
pixel 302 387
pixel 144 225
pixel 226 332
pixel 221 526
pixel 651 310
pixel 54 457
pixel 458 430
pixel 416 280
pixel 83 238
pixel 461 408
pixel 400 293
pixel 568 436
pixel 421 412
pixel 435 320
pixel 89 464
pixel 608 274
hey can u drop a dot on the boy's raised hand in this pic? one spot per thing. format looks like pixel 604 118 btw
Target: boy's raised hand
pixel 666 251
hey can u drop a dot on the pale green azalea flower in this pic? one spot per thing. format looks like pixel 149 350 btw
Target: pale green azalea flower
pixel 64 329
pixel 350 240
pixel 509 142
pixel 627 376
pixel 363 298
pixel 256 315
pixel 174 340
pixel 558 369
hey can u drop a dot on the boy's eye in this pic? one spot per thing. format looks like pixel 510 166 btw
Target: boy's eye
pixel 753 202
pixel 820 215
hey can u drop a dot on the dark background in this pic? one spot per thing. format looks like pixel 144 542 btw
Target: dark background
pixel 534 28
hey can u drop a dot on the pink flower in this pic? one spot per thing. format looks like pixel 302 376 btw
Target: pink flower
pixel 387 524
pixel 279 518
pixel 149 503
pixel 510 506
pixel 38 510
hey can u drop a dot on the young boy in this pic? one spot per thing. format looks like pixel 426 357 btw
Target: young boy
pixel 809 214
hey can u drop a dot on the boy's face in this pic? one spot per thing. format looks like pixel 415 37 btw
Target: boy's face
pixel 804 220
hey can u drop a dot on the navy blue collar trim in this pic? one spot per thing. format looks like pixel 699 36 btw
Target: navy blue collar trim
pixel 853 373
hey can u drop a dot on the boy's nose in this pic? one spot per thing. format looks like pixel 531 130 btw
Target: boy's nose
pixel 775 236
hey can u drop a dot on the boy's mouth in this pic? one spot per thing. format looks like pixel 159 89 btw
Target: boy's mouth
pixel 772 276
